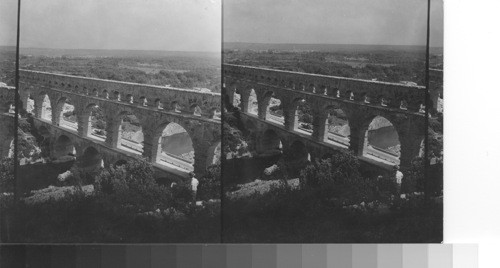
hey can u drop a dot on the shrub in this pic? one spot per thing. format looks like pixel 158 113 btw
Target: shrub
pixel 338 179
pixel 132 186
pixel 210 186
pixel 342 168
pixel 413 179
pixel 7 175
pixel 81 177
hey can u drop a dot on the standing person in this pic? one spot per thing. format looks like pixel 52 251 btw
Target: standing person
pixel 399 179
pixel 194 185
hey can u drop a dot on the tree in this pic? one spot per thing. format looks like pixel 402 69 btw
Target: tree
pixel 210 186
pixel 133 186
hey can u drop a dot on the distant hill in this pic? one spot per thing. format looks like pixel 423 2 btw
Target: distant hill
pixel 324 47
pixel 7 48
pixel 49 52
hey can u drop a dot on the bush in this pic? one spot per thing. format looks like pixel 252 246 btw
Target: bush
pixel 210 186
pixel 341 168
pixel 7 175
pixel 80 177
pixel 413 180
pixel 132 186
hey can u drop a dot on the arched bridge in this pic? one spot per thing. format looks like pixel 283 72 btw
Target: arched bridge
pixel 360 102
pixel 106 122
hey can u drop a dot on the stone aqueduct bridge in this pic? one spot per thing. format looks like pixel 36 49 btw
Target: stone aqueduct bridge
pixel 361 101
pixel 154 106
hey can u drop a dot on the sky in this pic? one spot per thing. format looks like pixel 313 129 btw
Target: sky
pixel 195 25
pixel 168 25
pixel 375 22
pixel 8 22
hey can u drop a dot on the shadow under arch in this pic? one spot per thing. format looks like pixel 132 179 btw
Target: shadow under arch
pixel 64 147
pixel 91 159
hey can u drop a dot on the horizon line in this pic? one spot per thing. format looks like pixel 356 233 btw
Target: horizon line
pixel 345 44
pixel 123 49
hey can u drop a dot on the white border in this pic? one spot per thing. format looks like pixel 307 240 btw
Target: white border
pixel 472 126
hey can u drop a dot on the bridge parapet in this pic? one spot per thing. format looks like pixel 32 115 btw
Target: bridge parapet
pixel 168 98
pixel 374 93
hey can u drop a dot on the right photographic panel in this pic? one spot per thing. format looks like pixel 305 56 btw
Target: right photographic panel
pixel 332 121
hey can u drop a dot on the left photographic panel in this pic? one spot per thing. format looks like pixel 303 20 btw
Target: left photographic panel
pixel 119 128
pixel 8 43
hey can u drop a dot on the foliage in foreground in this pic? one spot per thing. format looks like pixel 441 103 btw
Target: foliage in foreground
pixel 318 210
pixel 127 206
pixel 6 175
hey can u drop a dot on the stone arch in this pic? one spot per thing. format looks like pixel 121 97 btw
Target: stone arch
pixel 63 147
pixel 253 103
pixel 8 107
pixel 29 103
pixel 366 98
pixel 94 123
pixel 236 100
pixel 116 95
pixel 158 104
pixel 7 147
pixel 120 162
pixel 311 88
pixel 274 109
pixel 337 128
pixel 303 114
pixel 66 114
pixel 215 113
pixel 105 94
pixel 214 154
pixel 403 104
pixel 195 109
pixel 270 142
pixel 322 89
pixel 173 147
pixel 46 107
pixel 381 141
pixel 421 151
pixel 143 101
pixel 383 100
pixel 350 95
pixel 130 133
pixel 175 106
pixel 129 98
pixel 91 159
